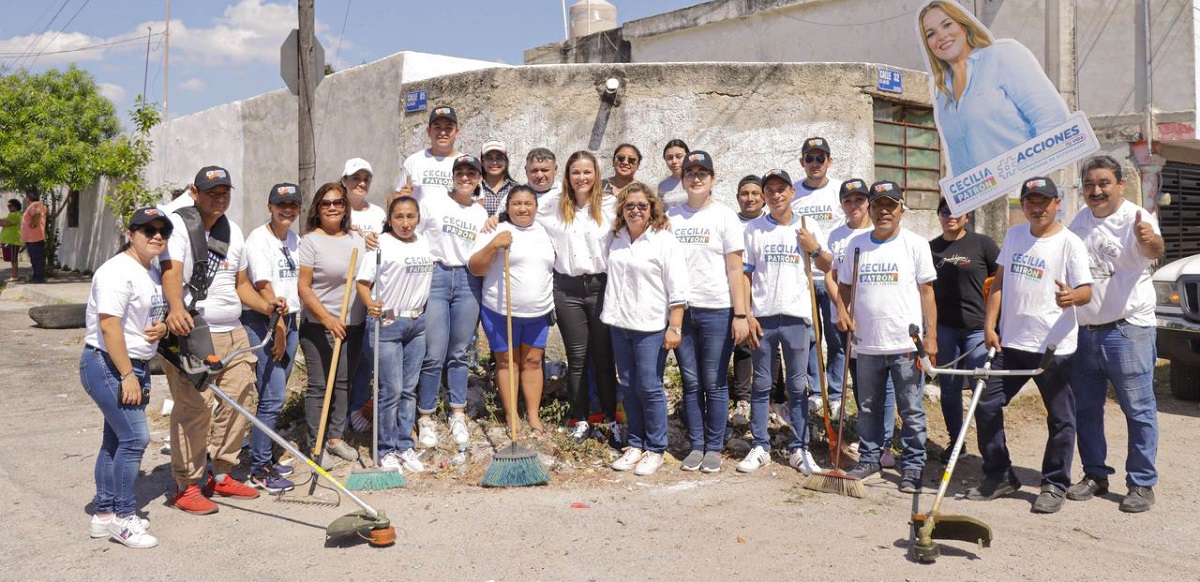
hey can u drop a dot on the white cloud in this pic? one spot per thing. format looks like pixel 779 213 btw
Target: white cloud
pixel 114 93
pixel 192 84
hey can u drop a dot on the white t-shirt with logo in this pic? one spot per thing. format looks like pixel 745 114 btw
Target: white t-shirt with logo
pixel 888 297
pixel 222 309
pixel 1121 287
pixel 404 276
pixel 531 267
pixel 707 235
pixel 370 219
pixel 821 205
pixel 123 288
pixel 430 174
pixel 1030 320
pixel 778 283
pixel 838 240
pixel 273 260
pixel 582 245
pixel 451 228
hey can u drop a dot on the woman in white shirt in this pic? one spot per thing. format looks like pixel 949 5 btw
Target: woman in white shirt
pixel 647 293
pixel 124 322
pixel 531 265
pixel 393 284
pixel 580 227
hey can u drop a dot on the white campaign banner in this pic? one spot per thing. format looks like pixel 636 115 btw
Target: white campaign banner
pixel 1067 143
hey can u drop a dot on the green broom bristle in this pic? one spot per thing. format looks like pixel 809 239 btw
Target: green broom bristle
pixel 515 467
pixel 374 480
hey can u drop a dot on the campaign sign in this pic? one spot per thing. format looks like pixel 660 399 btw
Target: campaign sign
pixel 1066 143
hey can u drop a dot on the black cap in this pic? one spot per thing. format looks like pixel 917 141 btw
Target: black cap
pixel 886 189
pixel 467 160
pixel 853 186
pixel 1039 185
pixel 443 111
pixel 284 192
pixel 751 179
pixel 815 143
pixel 776 174
pixel 143 216
pixel 697 158
pixel 210 177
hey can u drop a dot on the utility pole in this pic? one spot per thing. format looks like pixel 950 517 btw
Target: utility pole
pixel 308 85
pixel 1061 69
pixel 167 62
pixel 1143 99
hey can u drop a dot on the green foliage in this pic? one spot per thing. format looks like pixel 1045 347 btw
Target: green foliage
pixel 133 155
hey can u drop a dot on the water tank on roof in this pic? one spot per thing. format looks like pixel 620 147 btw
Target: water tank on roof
pixel 592 16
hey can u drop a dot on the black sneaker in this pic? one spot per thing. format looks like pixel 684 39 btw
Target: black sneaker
pixel 944 456
pixel 1050 501
pixel 1138 499
pixel 267 479
pixel 1087 488
pixel 994 488
pixel 863 470
pixel 911 481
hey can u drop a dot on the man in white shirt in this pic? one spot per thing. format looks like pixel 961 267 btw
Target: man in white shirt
pixel 894 291
pixel 1042 277
pixel 1116 335
pixel 192 417
pixel 431 170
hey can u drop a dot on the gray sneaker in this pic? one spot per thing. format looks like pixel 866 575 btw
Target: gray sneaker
pixel 1050 501
pixel 1138 500
pixel 692 461
pixel 911 481
pixel 1087 488
pixel 864 470
pixel 711 463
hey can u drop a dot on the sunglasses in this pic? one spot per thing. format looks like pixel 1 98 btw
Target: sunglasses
pixel 287 256
pixel 150 230
pixel 814 159
pixel 624 159
pixel 697 175
pixel 637 206
pixel 336 203
pixel 494 159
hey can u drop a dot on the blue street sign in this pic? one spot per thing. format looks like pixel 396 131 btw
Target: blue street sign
pixel 416 100
pixel 890 80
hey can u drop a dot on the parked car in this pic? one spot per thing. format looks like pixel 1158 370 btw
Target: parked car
pixel 1177 287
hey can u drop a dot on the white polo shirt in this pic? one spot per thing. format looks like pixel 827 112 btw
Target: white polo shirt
pixel 645 278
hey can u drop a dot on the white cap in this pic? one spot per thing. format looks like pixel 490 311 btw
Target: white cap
pixel 355 164
pixel 493 145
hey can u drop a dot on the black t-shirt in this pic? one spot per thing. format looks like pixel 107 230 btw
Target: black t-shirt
pixel 962 265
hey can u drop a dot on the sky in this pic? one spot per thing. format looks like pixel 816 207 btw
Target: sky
pixel 226 50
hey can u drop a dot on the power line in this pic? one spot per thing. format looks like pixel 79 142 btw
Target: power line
pixel 33 41
pixel 80 49
pixel 60 31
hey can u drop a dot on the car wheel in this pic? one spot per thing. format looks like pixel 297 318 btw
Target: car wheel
pixel 1185 381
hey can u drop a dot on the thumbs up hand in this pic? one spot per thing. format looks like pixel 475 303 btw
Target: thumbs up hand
pixel 1142 230
pixel 1064 296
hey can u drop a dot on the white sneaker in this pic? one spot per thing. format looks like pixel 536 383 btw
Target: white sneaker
pixel 129 531
pixel 409 461
pixel 630 459
pixel 887 460
pixel 649 464
pixel 427 431
pixel 458 428
pixel 580 431
pixel 756 458
pixel 99 525
pixel 391 461
pixel 802 460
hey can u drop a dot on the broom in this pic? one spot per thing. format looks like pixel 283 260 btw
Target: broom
pixel 513 466
pixel 377 477
pixel 835 480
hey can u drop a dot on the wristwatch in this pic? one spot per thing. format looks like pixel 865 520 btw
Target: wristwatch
pixel 813 255
pixel 678 330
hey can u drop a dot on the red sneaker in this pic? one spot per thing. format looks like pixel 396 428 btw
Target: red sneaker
pixel 192 500
pixel 230 487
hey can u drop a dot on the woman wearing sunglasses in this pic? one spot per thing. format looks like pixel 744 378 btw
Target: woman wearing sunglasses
pixel 625 164
pixel 497 182
pixel 271 251
pixel 324 261
pixel 124 322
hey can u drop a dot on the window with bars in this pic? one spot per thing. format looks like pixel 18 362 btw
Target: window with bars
pixel 908 151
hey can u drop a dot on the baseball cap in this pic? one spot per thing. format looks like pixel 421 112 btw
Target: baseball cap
pixel 355 164
pixel 284 192
pixel 815 143
pixel 210 177
pixel 143 216
pixel 751 179
pixel 776 173
pixel 853 186
pixel 468 160
pixel 1039 185
pixel 697 158
pixel 493 145
pixel 443 111
pixel 886 189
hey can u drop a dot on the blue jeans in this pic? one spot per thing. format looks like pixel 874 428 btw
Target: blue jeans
pixel 126 432
pixel 271 379
pixel 793 333
pixel 703 356
pixel 453 313
pixel 952 343
pixel 640 360
pixel 836 362
pixel 401 349
pixel 889 402
pixel 874 371
pixel 1124 356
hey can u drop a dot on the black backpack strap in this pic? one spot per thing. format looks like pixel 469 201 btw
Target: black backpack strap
pixel 206 251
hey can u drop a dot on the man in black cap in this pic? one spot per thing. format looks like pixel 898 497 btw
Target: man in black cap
pixel 1043 275
pixel 431 170
pixel 214 297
